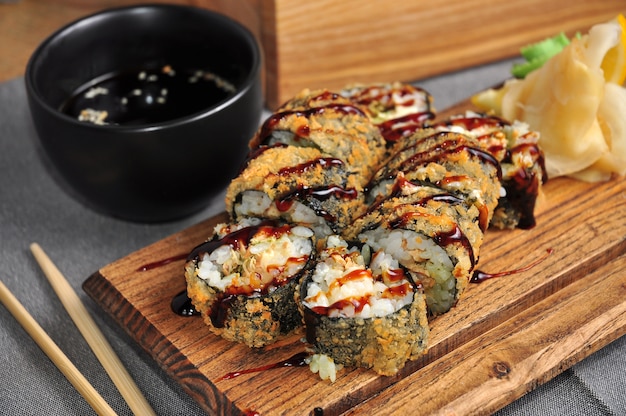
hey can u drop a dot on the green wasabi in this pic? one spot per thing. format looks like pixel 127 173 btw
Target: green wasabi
pixel 537 54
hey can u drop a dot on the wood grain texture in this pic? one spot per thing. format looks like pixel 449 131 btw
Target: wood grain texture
pixel 503 364
pixel 24 24
pixel 505 336
pixel 328 44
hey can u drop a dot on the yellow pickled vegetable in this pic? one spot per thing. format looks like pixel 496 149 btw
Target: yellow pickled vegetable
pixel 614 62
pixel 575 101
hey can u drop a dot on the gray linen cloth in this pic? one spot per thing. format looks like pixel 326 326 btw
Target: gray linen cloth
pixel 33 208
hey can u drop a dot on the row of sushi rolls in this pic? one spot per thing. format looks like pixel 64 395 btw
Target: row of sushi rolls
pixel 357 217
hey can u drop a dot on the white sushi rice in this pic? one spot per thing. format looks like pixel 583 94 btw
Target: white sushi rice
pixel 341 276
pixel 258 265
pixel 420 254
pixel 222 229
pixel 258 204
pixel 395 105
pixel 289 138
pixel 409 248
pixel 324 366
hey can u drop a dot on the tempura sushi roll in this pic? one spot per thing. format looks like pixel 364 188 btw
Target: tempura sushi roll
pixel 389 100
pixel 299 185
pixel 433 234
pixel 396 108
pixel 330 123
pixel 361 310
pixel 243 281
pixel 451 161
pixel 516 147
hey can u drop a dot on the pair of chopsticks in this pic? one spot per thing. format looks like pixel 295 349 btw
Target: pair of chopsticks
pixel 92 334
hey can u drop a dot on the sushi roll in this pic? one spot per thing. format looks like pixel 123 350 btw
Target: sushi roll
pixel 433 234
pixel 516 148
pixel 298 185
pixel 359 216
pixel 387 101
pixel 429 206
pixel 451 161
pixel 396 108
pixel 243 280
pixel 330 123
pixel 362 310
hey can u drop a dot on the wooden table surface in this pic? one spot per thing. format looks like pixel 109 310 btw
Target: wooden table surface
pixel 24 24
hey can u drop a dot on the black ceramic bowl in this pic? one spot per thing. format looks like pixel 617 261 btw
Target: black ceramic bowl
pixel 152 161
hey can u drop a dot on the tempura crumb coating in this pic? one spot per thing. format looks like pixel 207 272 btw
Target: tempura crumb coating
pixel 253 321
pixel 382 344
pixel 447 160
pixel 330 123
pixel 522 162
pixel 361 309
pixel 243 280
pixel 368 166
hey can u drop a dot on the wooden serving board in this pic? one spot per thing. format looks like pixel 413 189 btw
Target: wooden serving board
pixel 505 337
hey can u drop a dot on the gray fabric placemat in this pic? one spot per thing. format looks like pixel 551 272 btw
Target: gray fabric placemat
pixel 33 208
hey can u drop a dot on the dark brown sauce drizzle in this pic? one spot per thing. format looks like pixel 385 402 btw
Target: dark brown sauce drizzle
pixel 365 96
pixel 395 129
pixel 479 276
pixel 436 154
pixel 483 210
pixel 272 121
pixel 358 303
pixel 397 190
pixel 181 305
pixel 234 239
pixel 296 360
pixel 523 189
pixel 219 310
pixel 161 263
pixel 320 193
pixel 242 237
pixel 324 162
pixel 473 123
pixel 455 236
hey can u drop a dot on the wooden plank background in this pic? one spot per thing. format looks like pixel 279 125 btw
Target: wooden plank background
pixel 328 43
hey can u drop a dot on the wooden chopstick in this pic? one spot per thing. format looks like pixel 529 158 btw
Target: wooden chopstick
pixel 92 334
pixel 55 354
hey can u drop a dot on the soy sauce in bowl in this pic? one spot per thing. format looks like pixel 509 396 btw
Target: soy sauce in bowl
pixel 147 96
pixel 160 80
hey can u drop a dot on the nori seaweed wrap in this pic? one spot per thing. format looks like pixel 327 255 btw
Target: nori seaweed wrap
pixel 516 147
pixel 330 123
pixel 243 281
pixel 398 109
pixel 299 185
pixel 362 310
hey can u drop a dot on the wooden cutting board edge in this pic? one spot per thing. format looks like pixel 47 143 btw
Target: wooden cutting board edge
pixel 210 396
pixel 112 298
pixel 505 375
